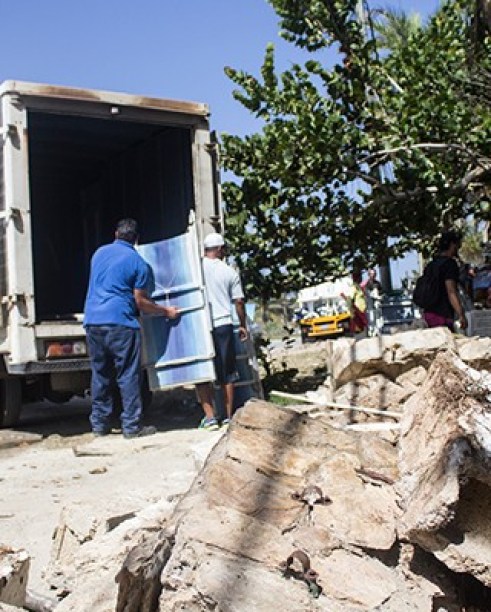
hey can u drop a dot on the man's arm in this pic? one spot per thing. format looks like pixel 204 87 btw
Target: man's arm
pixel 453 296
pixel 148 306
pixel 241 313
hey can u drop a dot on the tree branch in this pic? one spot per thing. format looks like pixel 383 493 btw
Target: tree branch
pixel 432 146
pixel 477 174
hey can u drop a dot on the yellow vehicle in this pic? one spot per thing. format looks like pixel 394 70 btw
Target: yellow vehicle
pixel 322 327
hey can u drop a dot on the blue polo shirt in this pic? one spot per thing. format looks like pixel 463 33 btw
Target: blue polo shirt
pixel 116 270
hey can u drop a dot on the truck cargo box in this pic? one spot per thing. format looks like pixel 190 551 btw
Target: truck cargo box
pixel 72 163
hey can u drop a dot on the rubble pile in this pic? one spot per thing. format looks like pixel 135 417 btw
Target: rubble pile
pixel 383 372
pixel 295 510
pixel 445 463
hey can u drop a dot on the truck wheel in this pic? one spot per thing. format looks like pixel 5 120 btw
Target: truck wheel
pixel 58 397
pixel 10 401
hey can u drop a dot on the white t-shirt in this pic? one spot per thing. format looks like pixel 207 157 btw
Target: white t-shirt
pixel 223 287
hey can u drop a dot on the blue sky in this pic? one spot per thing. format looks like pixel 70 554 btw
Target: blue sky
pixel 168 48
pixel 165 48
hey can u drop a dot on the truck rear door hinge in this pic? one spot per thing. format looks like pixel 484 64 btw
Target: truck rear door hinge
pixel 8 131
pixel 14 298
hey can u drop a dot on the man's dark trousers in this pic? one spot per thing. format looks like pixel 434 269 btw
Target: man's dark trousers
pixel 115 349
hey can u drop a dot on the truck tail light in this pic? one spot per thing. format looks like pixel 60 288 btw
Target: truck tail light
pixel 65 348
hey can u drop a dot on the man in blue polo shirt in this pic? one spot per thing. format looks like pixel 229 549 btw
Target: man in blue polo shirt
pixel 115 296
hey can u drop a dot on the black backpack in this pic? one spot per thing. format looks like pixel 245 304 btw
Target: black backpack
pixel 426 292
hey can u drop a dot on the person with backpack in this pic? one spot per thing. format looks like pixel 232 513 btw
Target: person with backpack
pixel 436 291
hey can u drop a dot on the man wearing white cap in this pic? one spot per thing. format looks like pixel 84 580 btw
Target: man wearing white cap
pixel 223 288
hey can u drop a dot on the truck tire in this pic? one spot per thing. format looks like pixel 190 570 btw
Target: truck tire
pixel 10 401
pixel 58 397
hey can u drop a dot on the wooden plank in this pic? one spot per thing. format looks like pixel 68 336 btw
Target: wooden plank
pixel 302 398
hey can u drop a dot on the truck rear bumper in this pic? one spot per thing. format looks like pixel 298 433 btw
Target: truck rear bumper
pixel 46 367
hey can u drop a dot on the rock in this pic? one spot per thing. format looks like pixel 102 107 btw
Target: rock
pixel 341 573
pixel 389 355
pixel 476 352
pixel 90 578
pixel 139 578
pixel 308 361
pixel 77 527
pixel 239 521
pixel 413 378
pixel 11 439
pixel 283 480
pixel 375 391
pixel 14 573
pixel 445 464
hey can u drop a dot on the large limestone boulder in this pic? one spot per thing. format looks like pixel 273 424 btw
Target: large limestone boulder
pixel 445 463
pixel 390 355
pixel 244 517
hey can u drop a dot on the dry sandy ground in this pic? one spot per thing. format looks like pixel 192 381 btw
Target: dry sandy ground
pixel 69 467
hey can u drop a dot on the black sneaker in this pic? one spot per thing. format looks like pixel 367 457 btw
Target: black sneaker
pixel 149 430
pixel 100 433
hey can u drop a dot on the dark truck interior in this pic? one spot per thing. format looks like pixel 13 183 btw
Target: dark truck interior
pixel 85 175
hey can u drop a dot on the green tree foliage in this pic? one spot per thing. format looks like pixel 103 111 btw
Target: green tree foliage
pixel 375 147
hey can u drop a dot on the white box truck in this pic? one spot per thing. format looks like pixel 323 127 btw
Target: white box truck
pixel 72 163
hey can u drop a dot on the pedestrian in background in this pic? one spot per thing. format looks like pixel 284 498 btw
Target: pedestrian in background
pixel 224 291
pixel 447 305
pixel 115 296
pixel 357 305
pixel 373 294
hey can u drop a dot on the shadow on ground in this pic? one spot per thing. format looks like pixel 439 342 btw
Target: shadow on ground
pixel 169 410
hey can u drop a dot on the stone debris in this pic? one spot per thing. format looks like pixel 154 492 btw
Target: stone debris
pixel 11 439
pixel 300 508
pixel 14 572
pixel 445 462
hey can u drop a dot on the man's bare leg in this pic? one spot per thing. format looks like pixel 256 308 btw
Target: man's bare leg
pixel 228 394
pixel 204 391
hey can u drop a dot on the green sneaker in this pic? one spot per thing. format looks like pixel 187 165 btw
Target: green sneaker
pixel 209 424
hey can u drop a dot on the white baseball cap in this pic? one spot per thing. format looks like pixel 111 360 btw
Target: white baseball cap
pixel 213 240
